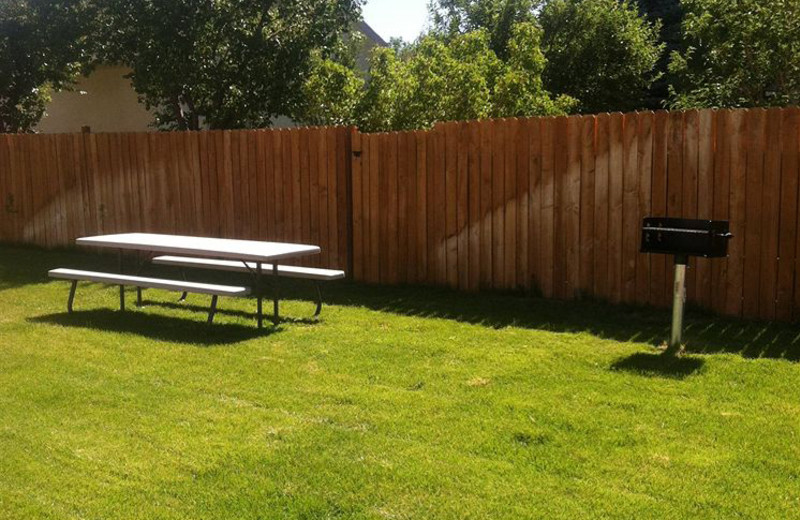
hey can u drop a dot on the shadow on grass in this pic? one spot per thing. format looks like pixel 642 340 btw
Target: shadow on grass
pixel 229 312
pixel 704 333
pixel 159 328
pixel 659 365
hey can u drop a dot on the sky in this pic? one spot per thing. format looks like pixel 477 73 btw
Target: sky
pixel 396 18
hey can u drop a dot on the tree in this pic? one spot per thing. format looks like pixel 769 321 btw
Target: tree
pixel 43 46
pixel 601 52
pixel 329 94
pixel 498 17
pixel 670 14
pixel 223 63
pixel 460 79
pixel 738 54
pixel 520 90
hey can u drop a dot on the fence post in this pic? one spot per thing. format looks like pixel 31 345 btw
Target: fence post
pixel 353 152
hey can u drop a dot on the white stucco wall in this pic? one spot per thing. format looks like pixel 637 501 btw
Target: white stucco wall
pixel 104 101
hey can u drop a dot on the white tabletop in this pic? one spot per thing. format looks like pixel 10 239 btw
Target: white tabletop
pixel 211 247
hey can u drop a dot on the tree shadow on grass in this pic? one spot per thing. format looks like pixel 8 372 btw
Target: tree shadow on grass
pixel 159 328
pixel 229 312
pixel 704 333
pixel 659 365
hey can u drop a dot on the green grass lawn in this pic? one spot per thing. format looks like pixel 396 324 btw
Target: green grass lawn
pixel 400 403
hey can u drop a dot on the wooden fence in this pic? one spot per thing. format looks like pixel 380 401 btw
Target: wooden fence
pixel 555 205
pixel 287 185
pixel 551 205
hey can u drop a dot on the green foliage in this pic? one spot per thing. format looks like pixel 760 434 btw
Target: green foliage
pixel 497 17
pixel 520 91
pixel 223 63
pixel 601 52
pixel 43 46
pixel 460 78
pixel 329 94
pixel 738 54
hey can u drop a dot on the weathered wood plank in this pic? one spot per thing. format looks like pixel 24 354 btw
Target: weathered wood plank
pixel 787 241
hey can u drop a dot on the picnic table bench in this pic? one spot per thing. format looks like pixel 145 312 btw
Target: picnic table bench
pixel 257 258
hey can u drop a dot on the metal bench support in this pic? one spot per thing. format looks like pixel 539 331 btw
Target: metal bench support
pixel 71 299
pixel 276 302
pixel 213 309
pixel 319 300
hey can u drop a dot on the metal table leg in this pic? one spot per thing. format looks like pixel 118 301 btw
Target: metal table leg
pixel 276 305
pixel 121 287
pixel 260 296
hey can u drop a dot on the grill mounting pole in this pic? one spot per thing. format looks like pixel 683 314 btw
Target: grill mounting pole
pixel 678 301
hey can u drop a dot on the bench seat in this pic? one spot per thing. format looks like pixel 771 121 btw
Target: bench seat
pixel 140 282
pixel 151 283
pixel 286 271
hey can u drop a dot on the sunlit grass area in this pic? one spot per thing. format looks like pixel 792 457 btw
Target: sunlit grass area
pixel 399 403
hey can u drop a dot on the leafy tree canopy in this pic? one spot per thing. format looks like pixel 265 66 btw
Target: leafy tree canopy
pixel 602 52
pixel 737 54
pixel 43 45
pixel 463 78
pixel 223 63
pixel 497 17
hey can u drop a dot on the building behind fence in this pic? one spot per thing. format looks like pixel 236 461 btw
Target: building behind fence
pixel 551 205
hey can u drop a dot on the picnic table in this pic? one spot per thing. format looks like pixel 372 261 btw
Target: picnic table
pixel 255 257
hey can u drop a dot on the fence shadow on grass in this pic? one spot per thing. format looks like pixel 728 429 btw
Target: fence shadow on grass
pixel 705 333
pixel 158 328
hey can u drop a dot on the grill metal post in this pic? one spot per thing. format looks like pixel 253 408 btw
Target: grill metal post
pixel 678 301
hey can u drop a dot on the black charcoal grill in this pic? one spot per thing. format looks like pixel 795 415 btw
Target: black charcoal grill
pixel 684 238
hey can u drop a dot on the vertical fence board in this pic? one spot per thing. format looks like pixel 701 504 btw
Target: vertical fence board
pixel 375 229
pixel 587 191
pixel 402 207
pixel 601 285
pixel 359 223
pixel 615 205
pixel 523 203
pixel 722 175
pixel 645 175
pixel 561 162
pixel 689 198
pixel 510 204
pixel 631 225
pixel 770 215
pixel 422 207
pixel 450 200
pixel 754 186
pixel 737 128
pixel 412 209
pixel 571 208
pixel 535 204
pixel 788 214
pixel 547 207
pixel 474 205
pixel 462 207
pixel 498 204
pixel 486 215
pixel 705 191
